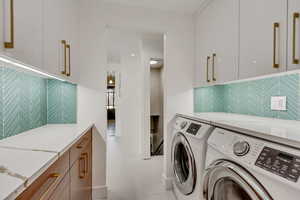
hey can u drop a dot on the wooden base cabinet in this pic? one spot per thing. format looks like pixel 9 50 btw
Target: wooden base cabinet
pixel 81 176
pixel 69 178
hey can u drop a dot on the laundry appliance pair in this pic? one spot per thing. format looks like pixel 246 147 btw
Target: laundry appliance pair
pixel 217 164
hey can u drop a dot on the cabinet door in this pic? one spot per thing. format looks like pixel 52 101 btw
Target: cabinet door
pixel 55 31
pixel 293 35
pixel 26 38
pixel 225 22
pixel 62 191
pixel 72 35
pixel 258 33
pixel 81 176
pixel 217 43
pixel 1 28
pixel 204 39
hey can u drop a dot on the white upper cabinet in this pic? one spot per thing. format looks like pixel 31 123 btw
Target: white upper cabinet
pixel 203 72
pixel 263 36
pixel 217 43
pixel 225 44
pixel 55 51
pixel 293 61
pixel 1 29
pixel 61 18
pixel 72 23
pixel 22 30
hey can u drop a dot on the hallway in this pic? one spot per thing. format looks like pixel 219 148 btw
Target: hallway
pixel 131 178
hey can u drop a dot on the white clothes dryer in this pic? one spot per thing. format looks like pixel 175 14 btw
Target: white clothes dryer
pixel 240 167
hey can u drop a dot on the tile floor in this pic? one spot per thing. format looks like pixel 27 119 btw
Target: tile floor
pixel 130 177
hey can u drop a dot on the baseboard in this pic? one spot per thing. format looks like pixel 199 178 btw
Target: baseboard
pixel 100 192
pixel 167 182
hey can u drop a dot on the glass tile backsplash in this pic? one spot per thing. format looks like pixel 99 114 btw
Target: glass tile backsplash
pixel 61 102
pixel 25 100
pixel 251 97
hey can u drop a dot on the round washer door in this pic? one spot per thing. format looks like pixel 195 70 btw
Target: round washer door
pixel 183 164
pixel 225 180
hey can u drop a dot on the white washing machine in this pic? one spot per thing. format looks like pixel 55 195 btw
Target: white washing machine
pixel 188 157
pixel 240 167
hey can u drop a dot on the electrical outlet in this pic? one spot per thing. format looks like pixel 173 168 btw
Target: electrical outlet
pixel 278 103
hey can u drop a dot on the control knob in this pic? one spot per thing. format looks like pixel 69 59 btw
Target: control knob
pixel 241 148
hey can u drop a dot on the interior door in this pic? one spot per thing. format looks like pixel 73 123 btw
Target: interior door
pixel 262 37
pixel 293 35
pixel 23 30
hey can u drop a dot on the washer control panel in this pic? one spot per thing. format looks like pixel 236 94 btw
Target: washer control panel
pixel 283 164
pixel 193 128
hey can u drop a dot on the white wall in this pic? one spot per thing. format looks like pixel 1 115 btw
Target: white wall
pixel 179 55
pixel 129 104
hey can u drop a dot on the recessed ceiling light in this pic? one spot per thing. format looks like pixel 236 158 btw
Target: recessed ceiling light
pixel 153 62
pixel 133 55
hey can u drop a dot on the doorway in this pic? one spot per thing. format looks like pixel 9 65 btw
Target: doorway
pixel 111 103
pixel 156 106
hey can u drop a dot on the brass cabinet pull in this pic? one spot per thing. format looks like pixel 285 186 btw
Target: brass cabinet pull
pixel 275 27
pixel 81 144
pixel 10 45
pixel 213 67
pixel 51 176
pixel 295 17
pixel 69 59
pixel 86 170
pixel 64 43
pixel 81 172
pixel 207 68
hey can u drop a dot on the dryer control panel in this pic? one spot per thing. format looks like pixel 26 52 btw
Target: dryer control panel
pixel 281 163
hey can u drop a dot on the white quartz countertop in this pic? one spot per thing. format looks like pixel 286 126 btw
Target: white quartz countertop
pixel 26 156
pixel 282 131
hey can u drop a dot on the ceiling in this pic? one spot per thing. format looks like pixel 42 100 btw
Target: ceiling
pixel 183 6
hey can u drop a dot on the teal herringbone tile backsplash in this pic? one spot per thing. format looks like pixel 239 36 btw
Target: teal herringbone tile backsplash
pixel 23 102
pixel 251 97
pixel 61 102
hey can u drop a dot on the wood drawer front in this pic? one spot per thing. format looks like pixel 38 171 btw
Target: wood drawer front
pixel 43 187
pixel 78 147
pixel 62 192
pixel 81 176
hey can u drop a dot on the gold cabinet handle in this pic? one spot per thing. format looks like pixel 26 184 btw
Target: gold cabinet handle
pixel 295 17
pixel 213 67
pixel 54 176
pixel 86 170
pixel 69 60
pixel 64 43
pixel 10 45
pixel 207 68
pixel 81 172
pixel 275 27
pixel 82 143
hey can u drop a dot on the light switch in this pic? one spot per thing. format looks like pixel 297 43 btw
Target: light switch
pixel 278 103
